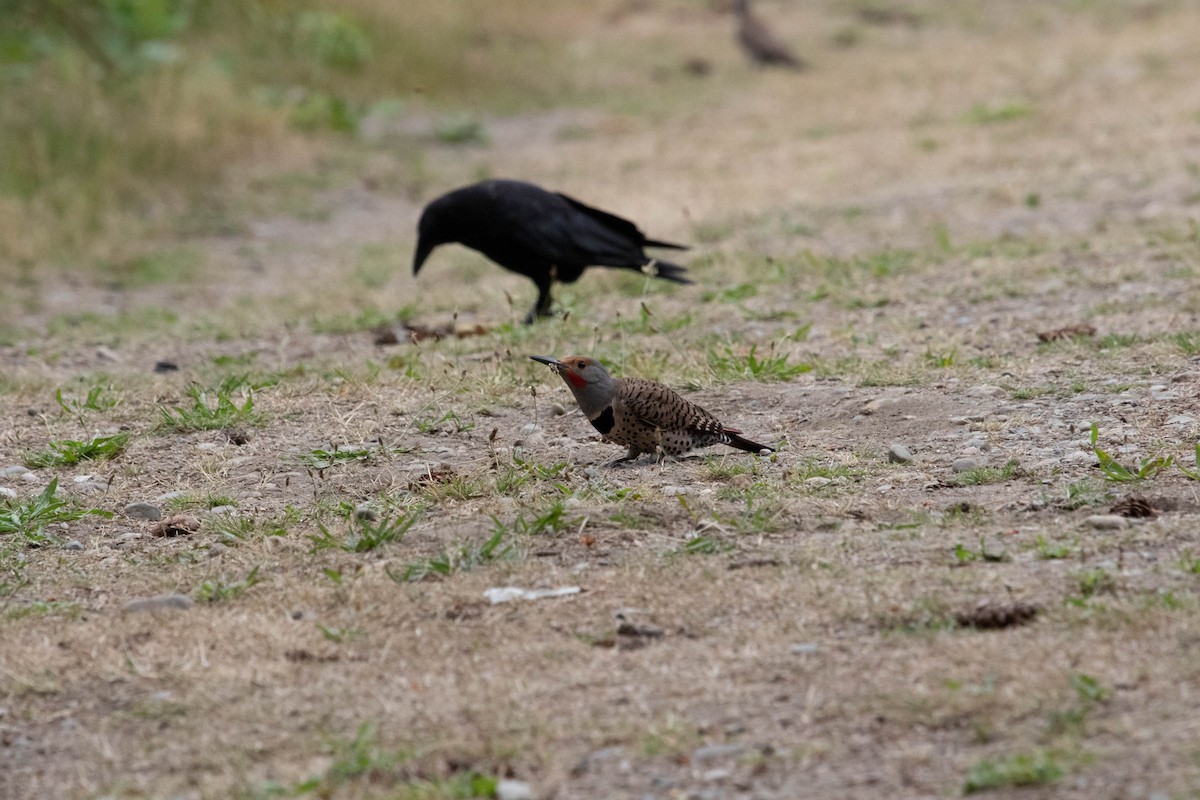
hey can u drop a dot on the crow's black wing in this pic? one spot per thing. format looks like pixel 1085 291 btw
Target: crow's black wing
pixel 618 225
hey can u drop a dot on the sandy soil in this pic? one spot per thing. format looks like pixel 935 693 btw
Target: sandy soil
pixel 898 225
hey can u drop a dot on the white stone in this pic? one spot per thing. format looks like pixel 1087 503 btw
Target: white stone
pixel 508 789
pixel 1107 522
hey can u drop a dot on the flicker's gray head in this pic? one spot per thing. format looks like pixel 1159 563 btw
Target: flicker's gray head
pixel 592 386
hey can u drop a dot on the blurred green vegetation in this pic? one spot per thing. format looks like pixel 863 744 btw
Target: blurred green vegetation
pixel 119 115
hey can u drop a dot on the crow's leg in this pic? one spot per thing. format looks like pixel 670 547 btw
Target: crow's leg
pixel 542 307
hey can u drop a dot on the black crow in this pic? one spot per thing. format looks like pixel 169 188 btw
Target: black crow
pixel 542 235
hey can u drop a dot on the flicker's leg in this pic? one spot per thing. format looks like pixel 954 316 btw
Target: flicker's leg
pixel 630 456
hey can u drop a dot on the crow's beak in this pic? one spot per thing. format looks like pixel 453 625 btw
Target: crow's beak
pixel 549 361
pixel 424 248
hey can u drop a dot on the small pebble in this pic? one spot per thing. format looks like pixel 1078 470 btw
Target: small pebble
pixel 673 491
pixel 964 465
pixel 162 498
pixel 1107 522
pixel 508 789
pixel 13 469
pixel 557 409
pixel 143 511
pixel 7 492
pixel 162 602
pixel 74 544
pixel 715 751
pixel 899 454
pixel 364 513
pixel 871 406
pixel 817 481
pixel 29 477
pixel 107 354
pixel 222 509
pixel 804 648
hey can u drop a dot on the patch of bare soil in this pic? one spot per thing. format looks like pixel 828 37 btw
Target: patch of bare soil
pixel 926 269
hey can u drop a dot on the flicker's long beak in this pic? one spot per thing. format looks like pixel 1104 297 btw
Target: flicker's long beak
pixel 550 361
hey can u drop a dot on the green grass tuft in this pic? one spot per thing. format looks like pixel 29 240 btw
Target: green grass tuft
pixel 1033 769
pixel 66 452
pixel 363 536
pixel 216 590
pixel 209 412
pixel 31 517
pixel 464 559
pixel 992 114
pixel 729 366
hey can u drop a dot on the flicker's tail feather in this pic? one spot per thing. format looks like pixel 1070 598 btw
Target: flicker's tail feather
pixel 742 443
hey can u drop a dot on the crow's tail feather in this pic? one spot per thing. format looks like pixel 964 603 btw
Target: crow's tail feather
pixel 669 272
pixel 742 443
pixel 664 245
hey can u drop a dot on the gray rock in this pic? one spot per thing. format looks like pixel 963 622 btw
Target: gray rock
pixel 13 469
pixel 222 509
pixel 804 648
pixel 217 549
pixel 508 789
pixel 872 406
pixel 364 513
pixel 162 602
pixel 964 465
pixel 107 354
pixel 817 481
pixel 557 409
pixel 675 491
pixel 162 498
pixel 143 511
pixel 899 454
pixel 7 492
pixel 1107 522
pixel 74 544
pixel 715 751
pixel 29 477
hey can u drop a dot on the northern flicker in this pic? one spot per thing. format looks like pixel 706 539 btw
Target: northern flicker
pixel 542 235
pixel 760 44
pixel 644 416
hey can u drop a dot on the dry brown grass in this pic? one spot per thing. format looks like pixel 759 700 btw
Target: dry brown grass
pixel 871 219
